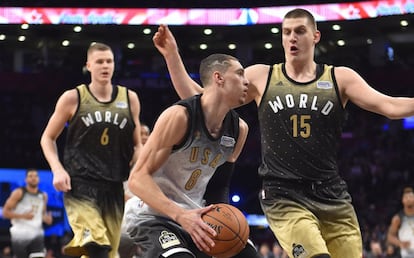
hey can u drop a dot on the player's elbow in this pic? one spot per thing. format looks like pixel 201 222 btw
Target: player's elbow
pixel 393 115
pixel 134 184
pixel 7 214
pixel 393 109
pixel 43 140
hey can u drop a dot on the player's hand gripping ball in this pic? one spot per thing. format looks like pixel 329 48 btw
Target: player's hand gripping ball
pixel 231 227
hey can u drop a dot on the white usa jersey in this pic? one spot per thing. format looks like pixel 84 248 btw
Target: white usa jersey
pixel 406 233
pixel 185 175
pixel 24 228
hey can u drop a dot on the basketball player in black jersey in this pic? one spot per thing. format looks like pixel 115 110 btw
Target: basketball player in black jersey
pixel 301 110
pixel 103 140
pixel 190 142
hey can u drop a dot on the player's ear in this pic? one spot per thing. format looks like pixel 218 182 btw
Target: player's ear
pixel 218 78
pixel 316 36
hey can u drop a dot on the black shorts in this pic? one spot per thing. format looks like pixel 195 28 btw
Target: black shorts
pixel 23 248
pixel 161 237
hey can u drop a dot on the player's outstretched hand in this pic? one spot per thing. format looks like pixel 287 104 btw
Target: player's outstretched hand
pixel 164 40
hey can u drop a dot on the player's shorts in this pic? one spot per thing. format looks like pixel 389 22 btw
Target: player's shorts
pixel 32 248
pixel 127 247
pixel 94 213
pixel 332 229
pixel 161 237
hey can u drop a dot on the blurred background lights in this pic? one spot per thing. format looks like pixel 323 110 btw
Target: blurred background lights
pixel 77 29
pixel 235 198
pixel 131 45
pixel 232 46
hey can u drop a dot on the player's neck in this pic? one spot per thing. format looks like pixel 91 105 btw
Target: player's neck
pixel 301 72
pixel 409 210
pixel 214 114
pixel 213 125
pixel 102 92
pixel 32 189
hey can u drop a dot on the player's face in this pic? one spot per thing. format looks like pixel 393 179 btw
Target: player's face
pixel 408 199
pixel 101 65
pixel 299 39
pixel 236 83
pixel 32 179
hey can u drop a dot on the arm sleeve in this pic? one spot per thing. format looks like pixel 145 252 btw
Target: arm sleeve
pixel 218 188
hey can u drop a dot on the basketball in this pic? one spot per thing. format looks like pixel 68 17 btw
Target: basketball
pixel 231 227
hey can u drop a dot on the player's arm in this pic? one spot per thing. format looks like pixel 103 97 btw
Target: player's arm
pixel 46 216
pixel 257 75
pixel 243 131
pixel 166 44
pixel 135 106
pixel 354 88
pixel 185 86
pixel 392 234
pixel 218 188
pixel 169 130
pixel 10 206
pixel 64 110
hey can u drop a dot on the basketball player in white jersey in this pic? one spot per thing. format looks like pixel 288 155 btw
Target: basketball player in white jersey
pixel 26 208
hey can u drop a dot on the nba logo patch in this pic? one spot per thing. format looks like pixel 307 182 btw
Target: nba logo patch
pixel 298 251
pixel 227 141
pixel 168 239
pixel 121 104
pixel 324 85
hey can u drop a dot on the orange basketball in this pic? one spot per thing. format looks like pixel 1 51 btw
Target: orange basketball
pixel 231 227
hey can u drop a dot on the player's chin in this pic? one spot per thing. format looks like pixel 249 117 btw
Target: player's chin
pixel 242 100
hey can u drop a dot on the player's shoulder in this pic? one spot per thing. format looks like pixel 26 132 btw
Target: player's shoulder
pixel 178 111
pixel 17 193
pixel 175 115
pixel 132 94
pixel 73 92
pixel 398 217
pixel 70 96
pixel 44 194
pixel 243 124
pixel 342 70
pixel 258 67
pixel 345 74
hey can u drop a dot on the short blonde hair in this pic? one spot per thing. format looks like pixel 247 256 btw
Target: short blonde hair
pixel 97 46
pixel 301 13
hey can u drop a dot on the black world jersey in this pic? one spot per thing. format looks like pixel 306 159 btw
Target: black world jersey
pixel 99 142
pixel 301 125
